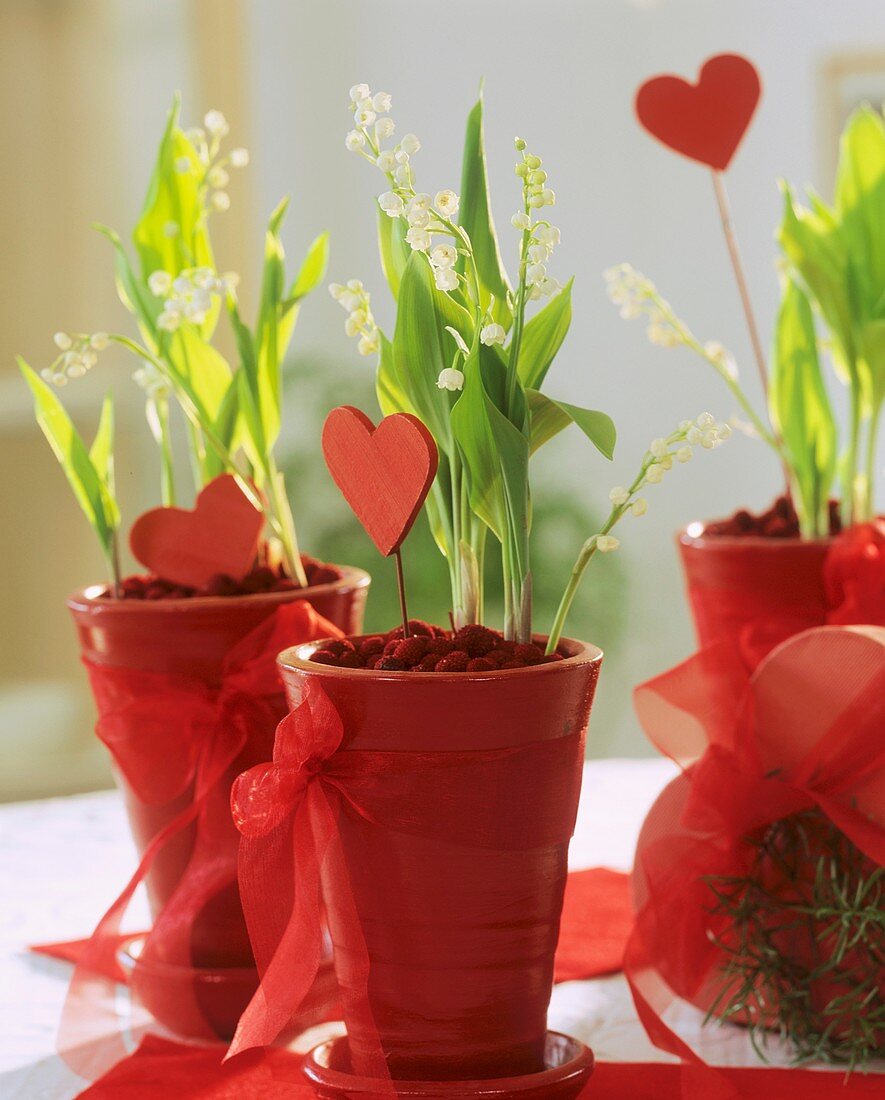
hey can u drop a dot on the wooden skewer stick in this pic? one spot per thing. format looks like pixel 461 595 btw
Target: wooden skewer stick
pixel 401 585
pixel 744 291
pixel 740 276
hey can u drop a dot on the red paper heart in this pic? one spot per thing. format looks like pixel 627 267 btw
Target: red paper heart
pixel 384 473
pixel 219 536
pixel 703 121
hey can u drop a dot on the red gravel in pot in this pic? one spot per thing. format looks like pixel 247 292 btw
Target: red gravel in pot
pixel 262 578
pixel 429 648
pixel 779 522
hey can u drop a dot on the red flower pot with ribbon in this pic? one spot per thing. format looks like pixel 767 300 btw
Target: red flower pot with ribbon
pixel 188 694
pixel 758 875
pixel 755 592
pixel 430 816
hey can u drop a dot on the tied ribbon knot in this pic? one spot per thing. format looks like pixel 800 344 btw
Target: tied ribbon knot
pixel 176 739
pixel 292 811
pixel 803 731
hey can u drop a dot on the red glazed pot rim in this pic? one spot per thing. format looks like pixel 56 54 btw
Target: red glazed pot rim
pixel 90 599
pixel 568 1062
pixel 298 658
pixel 693 535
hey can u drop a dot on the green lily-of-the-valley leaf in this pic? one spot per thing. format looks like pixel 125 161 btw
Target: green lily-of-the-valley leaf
pixel 261 354
pixel 549 417
pixel 171 233
pixel 227 429
pixel 475 217
pixel 89 475
pixel 543 336
pixel 134 293
pixel 496 456
pixel 394 250
pixel 267 384
pixel 423 348
pixel 101 453
pixel 204 371
pixel 800 408
pixel 860 204
pixel 312 271
pixel 815 247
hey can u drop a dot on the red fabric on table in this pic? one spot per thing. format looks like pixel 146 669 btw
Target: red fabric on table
pixel 163 1068
pixel 71 951
pixel 160 1067
pixel 597 917
pixel 662 1081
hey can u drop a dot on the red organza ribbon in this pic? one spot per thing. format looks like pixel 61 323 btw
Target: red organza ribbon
pixel 804 730
pixel 289 811
pixel 854 576
pixel 168 735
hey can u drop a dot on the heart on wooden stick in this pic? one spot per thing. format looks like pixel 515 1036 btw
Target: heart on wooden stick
pixel 220 535
pixel 384 473
pixel 704 121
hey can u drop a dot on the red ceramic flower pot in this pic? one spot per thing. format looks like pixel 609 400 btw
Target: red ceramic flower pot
pixel 180 650
pixel 753 591
pixel 460 927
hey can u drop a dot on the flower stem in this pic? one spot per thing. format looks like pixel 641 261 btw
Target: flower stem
pixel 284 523
pixel 114 563
pixel 872 438
pixel 518 321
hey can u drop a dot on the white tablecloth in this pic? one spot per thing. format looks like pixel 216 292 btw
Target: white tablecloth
pixel 62 861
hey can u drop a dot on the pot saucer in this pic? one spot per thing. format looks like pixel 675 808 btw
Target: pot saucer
pixel 568 1065
pixel 204 1003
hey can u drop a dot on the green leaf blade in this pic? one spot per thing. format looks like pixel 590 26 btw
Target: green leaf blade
pixel 72 455
pixel 476 219
pixel 549 417
pixel 543 336
pixel 801 410
pixel 173 199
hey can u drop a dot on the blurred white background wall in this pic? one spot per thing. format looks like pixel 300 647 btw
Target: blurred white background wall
pixel 87 84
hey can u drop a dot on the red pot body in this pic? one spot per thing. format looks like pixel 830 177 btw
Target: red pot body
pixel 742 589
pixel 460 939
pixel 191 638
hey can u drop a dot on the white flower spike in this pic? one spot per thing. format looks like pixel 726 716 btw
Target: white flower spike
pixel 450 379
pixel 492 334
pixel 418 239
pixel 447 203
pixel 159 283
pixel 444 255
pixel 391 204
pixel 445 278
pixel 216 124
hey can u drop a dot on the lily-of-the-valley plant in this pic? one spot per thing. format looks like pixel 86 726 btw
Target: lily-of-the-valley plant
pixel 832 307
pixel 470 352
pixel 176 294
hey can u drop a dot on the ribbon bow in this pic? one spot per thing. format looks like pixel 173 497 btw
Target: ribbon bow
pixel 803 731
pixel 168 735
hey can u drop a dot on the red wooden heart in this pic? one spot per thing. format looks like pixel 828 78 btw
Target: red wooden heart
pixel 384 473
pixel 219 536
pixel 703 121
